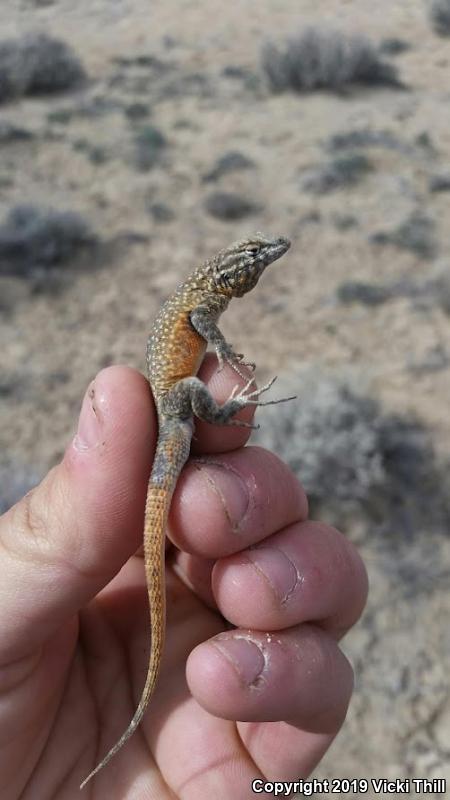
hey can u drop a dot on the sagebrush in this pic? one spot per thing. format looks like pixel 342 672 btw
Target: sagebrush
pixel 325 59
pixel 37 64
pixel 440 16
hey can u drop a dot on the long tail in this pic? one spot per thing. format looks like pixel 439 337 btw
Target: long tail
pixel 171 454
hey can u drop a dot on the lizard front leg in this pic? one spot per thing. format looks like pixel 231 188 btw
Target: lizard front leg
pixel 203 322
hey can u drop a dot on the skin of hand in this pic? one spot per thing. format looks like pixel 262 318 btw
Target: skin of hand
pixel 257 599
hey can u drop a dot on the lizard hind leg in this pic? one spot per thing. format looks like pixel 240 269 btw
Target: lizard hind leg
pixel 248 398
pixel 207 409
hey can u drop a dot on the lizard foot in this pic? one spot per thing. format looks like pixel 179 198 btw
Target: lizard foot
pixel 226 355
pixel 243 397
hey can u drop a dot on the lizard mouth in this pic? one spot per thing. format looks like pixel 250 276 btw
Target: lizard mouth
pixel 272 252
pixel 281 246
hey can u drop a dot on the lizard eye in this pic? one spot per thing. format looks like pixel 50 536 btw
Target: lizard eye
pixel 253 250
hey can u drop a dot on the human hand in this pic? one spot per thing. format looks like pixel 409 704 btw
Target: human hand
pixel 74 616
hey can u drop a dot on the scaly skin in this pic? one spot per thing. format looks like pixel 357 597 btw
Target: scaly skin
pixel 186 324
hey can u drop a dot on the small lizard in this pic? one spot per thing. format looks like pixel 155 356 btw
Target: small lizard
pixel 186 324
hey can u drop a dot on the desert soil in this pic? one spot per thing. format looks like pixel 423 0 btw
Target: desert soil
pixel 85 160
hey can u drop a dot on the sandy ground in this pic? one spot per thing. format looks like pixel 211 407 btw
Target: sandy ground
pixel 52 344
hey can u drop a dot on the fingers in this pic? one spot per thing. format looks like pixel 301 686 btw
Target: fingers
pixel 244 496
pixel 298 675
pixel 309 571
pixel 67 538
pixel 306 572
pixel 285 570
pixel 282 751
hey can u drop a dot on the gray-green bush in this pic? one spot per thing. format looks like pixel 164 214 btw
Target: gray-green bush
pixel 338 173
pixel 348 453
pixel 416 234
pixel 325 59
pixel 32 237
pixel 37 64
pixel 440 16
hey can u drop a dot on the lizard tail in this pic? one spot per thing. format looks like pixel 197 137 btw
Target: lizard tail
pixel 171 454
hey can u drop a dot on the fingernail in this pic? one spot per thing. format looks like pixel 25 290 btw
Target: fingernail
pixel 88 434
pixel 277 568
pixel 229 487
pixel 245 656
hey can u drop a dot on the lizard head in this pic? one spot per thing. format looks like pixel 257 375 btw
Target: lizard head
pixel 237 269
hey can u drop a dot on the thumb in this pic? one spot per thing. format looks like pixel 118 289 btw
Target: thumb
pixel 68 537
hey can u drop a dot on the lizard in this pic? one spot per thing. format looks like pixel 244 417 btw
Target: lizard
pixel 184 327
